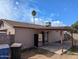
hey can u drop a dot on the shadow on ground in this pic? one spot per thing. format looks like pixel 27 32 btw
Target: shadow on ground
pixel 35 51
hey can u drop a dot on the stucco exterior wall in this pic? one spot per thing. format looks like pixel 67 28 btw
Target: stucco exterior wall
pixel 54 36
pixel 25 36
pixel 9 28
pixel 8 36
pixel 75 36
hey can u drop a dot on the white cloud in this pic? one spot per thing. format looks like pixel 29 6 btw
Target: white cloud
pixel 41 21
pixel 58 23
pixel 16 10
pixel 38 21
pixel 17 3
pixel 5 9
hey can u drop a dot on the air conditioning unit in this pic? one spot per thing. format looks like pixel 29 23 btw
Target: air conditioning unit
pixel 47 24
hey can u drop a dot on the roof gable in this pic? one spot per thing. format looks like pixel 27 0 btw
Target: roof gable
pixel 22 24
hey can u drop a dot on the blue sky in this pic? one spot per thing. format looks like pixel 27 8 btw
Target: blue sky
pixel 59 12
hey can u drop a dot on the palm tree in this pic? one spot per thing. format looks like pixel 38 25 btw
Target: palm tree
pixel 34 14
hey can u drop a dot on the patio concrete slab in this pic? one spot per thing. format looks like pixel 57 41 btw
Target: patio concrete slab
pixel 56 47
pixel 60 51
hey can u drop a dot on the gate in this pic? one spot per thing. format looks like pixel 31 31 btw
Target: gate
pixel 4 38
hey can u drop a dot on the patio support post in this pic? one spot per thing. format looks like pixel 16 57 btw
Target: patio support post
pixel 61 40
pixel 43 41
pixel 47 36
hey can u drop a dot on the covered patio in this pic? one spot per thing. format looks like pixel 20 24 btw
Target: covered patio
pixel 62 45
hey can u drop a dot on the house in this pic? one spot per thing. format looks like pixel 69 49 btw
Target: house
pixel 30 35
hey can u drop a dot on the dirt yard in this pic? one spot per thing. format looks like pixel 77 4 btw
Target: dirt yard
pixel 44 54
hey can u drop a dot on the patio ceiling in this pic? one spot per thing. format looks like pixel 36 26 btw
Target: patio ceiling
pixel 65 28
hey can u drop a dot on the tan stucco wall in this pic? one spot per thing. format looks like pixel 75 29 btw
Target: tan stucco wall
pixel 25 36
pixel 8 27
pixel 54 36
pixel 75 36
pixel 8 37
